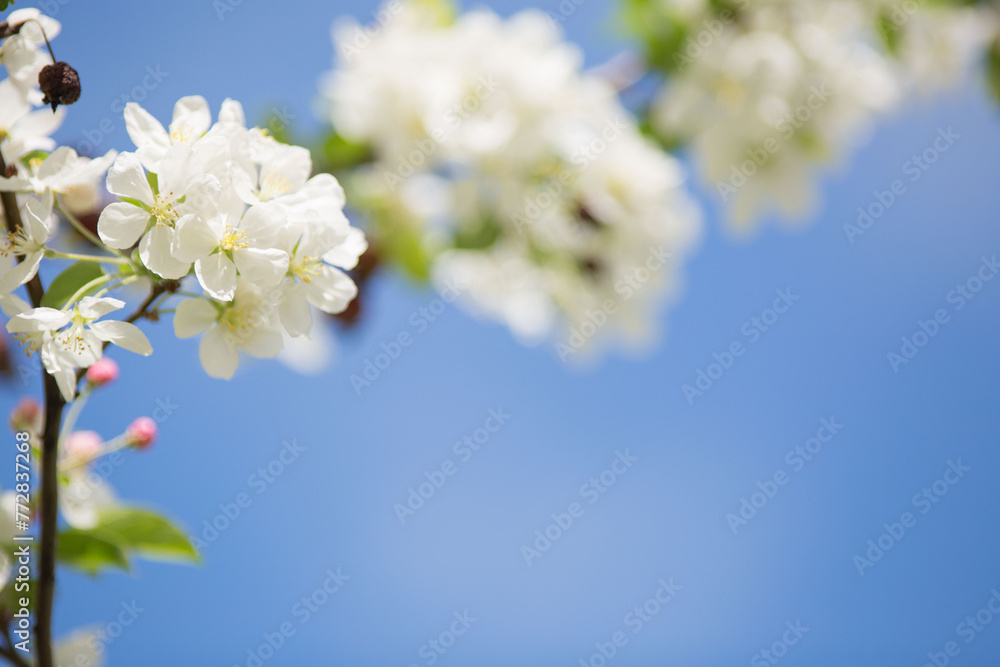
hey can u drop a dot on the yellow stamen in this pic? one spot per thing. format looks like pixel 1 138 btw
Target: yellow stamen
pixel 233 239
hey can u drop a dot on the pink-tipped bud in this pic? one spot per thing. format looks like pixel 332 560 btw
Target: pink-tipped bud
pixel 102 372
pixel 26 415
pixel 83 444
pixel 141 433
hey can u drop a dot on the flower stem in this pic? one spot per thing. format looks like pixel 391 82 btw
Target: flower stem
pixel 86 233
pixel 75 408
pixel 85 258
pixel 44 36
pixel 80 293
pixel 110 447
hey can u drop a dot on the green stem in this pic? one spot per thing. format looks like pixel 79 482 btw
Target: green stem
pixel 85 258
pixel 121 283
pixel 86 288
pixel 110 447
pixel 75 408
pixel 86 233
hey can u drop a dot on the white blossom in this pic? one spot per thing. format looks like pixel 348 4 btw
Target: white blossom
pixel 67 340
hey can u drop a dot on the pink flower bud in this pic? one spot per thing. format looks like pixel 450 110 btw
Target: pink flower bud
pixel 83 444
pixel 26 415
pixel 103 371
pixel 141 433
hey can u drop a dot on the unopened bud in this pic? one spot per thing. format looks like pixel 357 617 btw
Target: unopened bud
pixel 26 415
pixel 102 372
pixel 141 433
pixel 60 83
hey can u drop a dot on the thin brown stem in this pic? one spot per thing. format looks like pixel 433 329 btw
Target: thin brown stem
pixel 54 403
pixel 44 36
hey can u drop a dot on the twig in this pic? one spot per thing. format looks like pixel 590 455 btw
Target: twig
pixel 54 403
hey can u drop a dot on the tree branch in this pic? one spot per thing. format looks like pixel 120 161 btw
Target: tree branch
pixel 50 475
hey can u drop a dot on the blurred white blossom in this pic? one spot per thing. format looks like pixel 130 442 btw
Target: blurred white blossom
pixel 520 176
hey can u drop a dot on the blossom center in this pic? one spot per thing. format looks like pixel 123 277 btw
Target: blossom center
pixel 305 268
pixel 239 321
pixel 163 210
pixel 180 133
pixel 18 242
pixel 31 342
pixel 275 183
pixel 233 239
pixel 72 339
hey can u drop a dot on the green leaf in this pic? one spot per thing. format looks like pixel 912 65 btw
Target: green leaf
pixel 663 30
pixel 4 4
pixel 69 281
pixel 89 552
pixel 339 153
pixel 888 31
pixel 479 236
pixel 402 245
pixel 146 533
pixel 993 69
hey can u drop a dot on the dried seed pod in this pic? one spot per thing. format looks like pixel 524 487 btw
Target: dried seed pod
pixel 60 83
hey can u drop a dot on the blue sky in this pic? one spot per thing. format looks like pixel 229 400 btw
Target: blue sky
pixel 690 465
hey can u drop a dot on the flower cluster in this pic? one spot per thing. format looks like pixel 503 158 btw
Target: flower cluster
pixel 770 91
pixel 512 172
pixel 266 242
pixel 70 337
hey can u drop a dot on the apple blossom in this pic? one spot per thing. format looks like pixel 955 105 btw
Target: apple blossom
pixel 28 241
pixel 190 122
pixel 67 340
pixel 248 323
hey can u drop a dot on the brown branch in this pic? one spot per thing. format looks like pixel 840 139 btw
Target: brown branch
pixel 54 403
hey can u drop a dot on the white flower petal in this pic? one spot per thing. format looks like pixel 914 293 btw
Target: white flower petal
pixel 124 335
pixel 331 291
pixel 121 224
pixel 218 358
pixel 262 266
pixel 92 307
pixel 194 316
pixel 196 238
pixel 12 305
pixel 38 319
pixel 294 311
pixel 143 128
pixel 263 342
pixel 21 273
pixel 217 275
pixel 154 249
pixel 346 255
pixel 191 119
pixel 127 178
